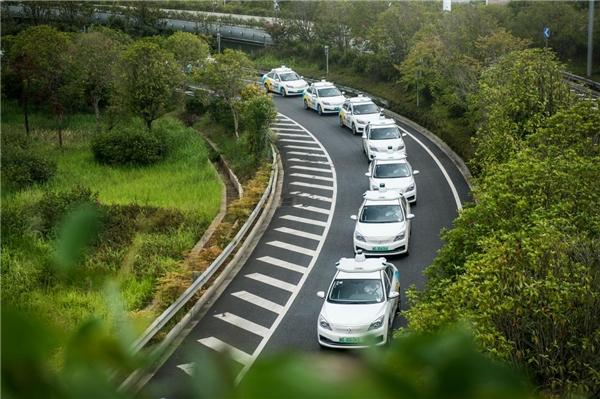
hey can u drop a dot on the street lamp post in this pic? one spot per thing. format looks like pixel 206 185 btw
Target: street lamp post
pixel 418 76
pixel 327 60
pixel 219 42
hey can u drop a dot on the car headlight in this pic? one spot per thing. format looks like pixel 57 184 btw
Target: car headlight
pixel 374 187
pixel 359 237
pixel 376 324
pixel 401 146
pixel 410 188
pixel 324 323
pixel 400 236
pixel 361 122
pixel 324 103
pixel 373 148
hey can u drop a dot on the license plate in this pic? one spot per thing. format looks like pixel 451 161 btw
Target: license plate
pixel 349 339
pixel 300 91
pixel 380 248
pixel 337 108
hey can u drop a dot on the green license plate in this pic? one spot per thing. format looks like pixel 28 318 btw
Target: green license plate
pixel 349 339
pixel 380 248
pixel 300 91
pixel 337 108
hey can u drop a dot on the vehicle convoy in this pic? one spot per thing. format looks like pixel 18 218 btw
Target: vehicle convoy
pixel 380 136
pixel 357 112
pixel 395 172
pixel 360 304
pixel 284 81
pixel 323 97
pixel 383 223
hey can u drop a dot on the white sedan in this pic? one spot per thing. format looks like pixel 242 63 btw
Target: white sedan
pixel 382 136
pixel 357 112
pixel 284 81
pixel 395 172
pixel 383 224
pixel 323 97
pixel 360 305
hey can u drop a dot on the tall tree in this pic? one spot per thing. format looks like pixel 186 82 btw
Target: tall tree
pixel 95 57
pixel 190 51
pixel 226 77
pixel 148 78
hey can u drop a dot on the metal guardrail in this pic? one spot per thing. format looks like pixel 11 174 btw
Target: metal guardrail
pixel 168 314
pixel 592 86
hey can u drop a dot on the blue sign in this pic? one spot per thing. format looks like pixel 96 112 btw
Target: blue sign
pixel 546 32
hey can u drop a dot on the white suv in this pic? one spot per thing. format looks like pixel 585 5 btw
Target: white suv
pixel 357 112
pixel 323 97
pixel 395 173
pixel 382 136
pixel 284 81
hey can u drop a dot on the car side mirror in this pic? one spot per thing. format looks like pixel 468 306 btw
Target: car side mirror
pixel 277 79
pixel 368 174
pixel 410 216
pixel 404 134
pixel 353 217
pixel 415 172
pixel 321 294
pixel 343 93
pixel 394 294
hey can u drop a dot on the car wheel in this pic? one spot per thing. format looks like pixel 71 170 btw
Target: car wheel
pixel 390 335
pixel 267 88
pixel 319 109
pixel 305 104
pixel 283 92
pixel 399 306
pixel 365 151
pixel 341 122
pixel 354 131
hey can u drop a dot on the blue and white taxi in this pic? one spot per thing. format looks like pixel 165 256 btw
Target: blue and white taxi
pixel 382 135
pixel 360 305
pixel 383 223
pixel 393 170
pixel 357 112
pixel 323 97
pixel 284 81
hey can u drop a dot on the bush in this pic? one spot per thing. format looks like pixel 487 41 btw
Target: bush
pixel 220 113
pixel 55 205
pixel 195 105
pixel 129 146
pixel 23 167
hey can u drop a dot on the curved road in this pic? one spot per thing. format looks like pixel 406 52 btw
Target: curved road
pixel 271 304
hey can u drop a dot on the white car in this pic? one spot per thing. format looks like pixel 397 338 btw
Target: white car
pixel 383 223
pixel 323 97
pixel 393 171
pixel 360 305
pixel 284 81
pixel 357 112
pixel 381 136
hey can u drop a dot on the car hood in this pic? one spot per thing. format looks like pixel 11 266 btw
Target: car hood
pixel 337 100
pixel 380 229
pixel 382 145
pixel 368 117
pixel 295 83
pixel 398 183
pixel 351 314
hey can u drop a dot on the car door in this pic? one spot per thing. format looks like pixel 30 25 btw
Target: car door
pixel 313 98
pixel 365 138
pixel 390 306
pixel 276 82
pixel 345 113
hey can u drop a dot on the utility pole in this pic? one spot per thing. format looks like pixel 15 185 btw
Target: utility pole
pixel 219 42
pixel 327 59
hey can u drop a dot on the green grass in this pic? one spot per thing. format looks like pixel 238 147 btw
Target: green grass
pixel 168 205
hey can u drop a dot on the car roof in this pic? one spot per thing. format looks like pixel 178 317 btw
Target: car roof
pixel 360 267
pixel 382 122
pixel 382 197
pixel 394 157
pixel 360 99
pixel 322 83
pixel 282 69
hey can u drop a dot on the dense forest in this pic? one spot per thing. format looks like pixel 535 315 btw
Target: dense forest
pixel 521 267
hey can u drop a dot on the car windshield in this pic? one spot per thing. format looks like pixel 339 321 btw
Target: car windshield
pixel 384 133
pixel 365 109
pixel 381 214
pixel 329 92
pixel 391 170
pixel 288 77
pixel 356 291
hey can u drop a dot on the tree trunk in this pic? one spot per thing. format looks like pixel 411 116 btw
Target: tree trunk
pixel 96 103
pixel 26 113
pixel 60 137
pixel 235 122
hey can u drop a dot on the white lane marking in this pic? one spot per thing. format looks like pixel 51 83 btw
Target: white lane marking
pixel 312 196
pixel 243 323
pixel 439 164
pixel 299 183
pixel 298 141
pixel 310 161
pixel 286 129
pixel 188 368
pixel 309 168
pixel 313 209
pixel 308 154
pixel 282 263
pixel 300 147
pixel 292 297
pixel 272 281
pixel 304 220
pixel 314 177
pixel 291 135
pixel 220 346
pixel 299 233
pixel 291 247
pixel 258 301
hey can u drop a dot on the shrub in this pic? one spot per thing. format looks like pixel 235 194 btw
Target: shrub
pixel 221 113
pixel 23 167
pixel 55 205
pixel 129 146
pixel 195 104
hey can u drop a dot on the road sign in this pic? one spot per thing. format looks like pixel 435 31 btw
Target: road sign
pixel 546 32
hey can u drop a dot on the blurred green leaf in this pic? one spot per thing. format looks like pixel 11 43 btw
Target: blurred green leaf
pixel 80 228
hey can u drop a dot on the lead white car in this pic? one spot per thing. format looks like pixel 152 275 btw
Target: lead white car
pixel 360 305
pixel 381 136
pixel 383 224
pixel 284 81
pixel 357 112
pixel 323 97
pixel 395 172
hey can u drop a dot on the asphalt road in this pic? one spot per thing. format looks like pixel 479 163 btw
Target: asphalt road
pixel 271 305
